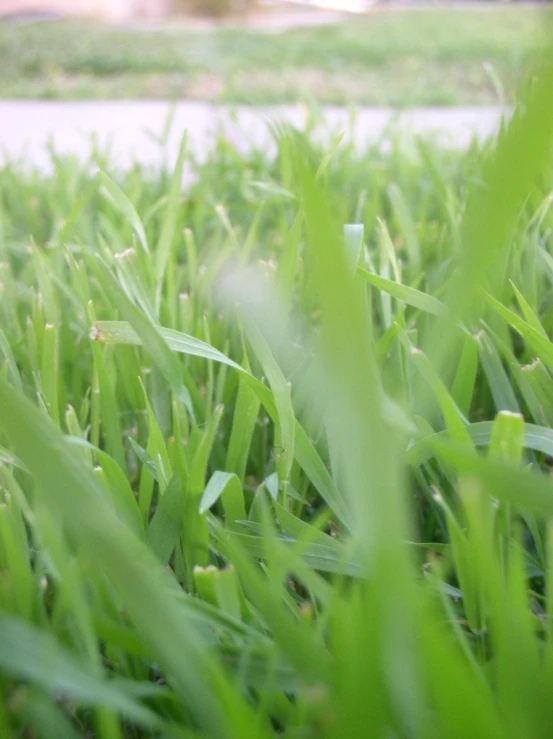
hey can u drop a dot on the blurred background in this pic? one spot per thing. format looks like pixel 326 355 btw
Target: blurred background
pixel 365 52
pixel 457 65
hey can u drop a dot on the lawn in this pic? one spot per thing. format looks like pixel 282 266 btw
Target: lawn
pixel 423 57
pixel 275 450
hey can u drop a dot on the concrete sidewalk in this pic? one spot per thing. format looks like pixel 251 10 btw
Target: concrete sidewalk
pixel 126 128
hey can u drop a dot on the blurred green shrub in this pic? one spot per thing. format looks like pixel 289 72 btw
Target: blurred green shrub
pixel 215 8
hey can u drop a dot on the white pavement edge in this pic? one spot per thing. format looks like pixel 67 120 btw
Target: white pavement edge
pixel 126 127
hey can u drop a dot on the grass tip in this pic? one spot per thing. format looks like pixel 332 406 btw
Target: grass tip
pixel 208 568
pixel 531 365
pixel 121 255
pixel 95 333
pixel 509 414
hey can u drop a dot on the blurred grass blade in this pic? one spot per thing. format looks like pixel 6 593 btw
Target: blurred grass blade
pixel 535 338
pixel 169 227
pixel 353 237
pixel 526 491
pixel 306 453
pixel 166 524
pixel 407 227
pixel 151 339
pixel 464 382
pixel 537 438
pixel 29 654
pixel 76 499
pixel 498 380
pixel 226 486
pixel 406 294
pixel 120 201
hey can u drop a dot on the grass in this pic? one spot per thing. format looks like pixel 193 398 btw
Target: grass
pixel 266 475
pixel 430 57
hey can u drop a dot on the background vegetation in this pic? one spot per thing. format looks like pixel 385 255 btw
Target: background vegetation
pixel 423 57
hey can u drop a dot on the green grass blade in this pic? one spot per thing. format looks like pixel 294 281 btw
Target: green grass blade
pixel 29 654
pixel 406 294
pixel 113 193
pixel 151 339
pixel 78 500
pixel 167 236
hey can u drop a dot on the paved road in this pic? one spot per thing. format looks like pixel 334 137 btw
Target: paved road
pixel 126 127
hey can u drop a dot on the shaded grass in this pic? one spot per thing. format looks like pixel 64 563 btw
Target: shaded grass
pixel 426 57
